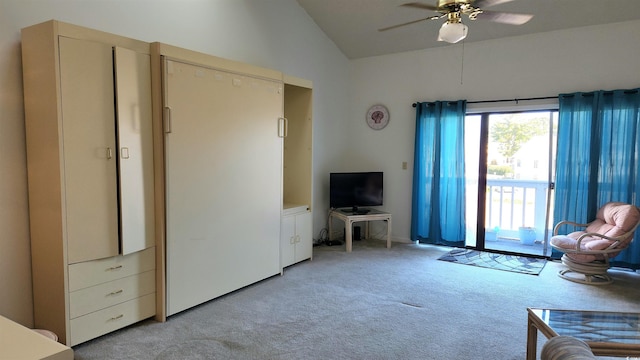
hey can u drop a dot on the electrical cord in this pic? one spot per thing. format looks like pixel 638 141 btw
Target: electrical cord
pixel 323 235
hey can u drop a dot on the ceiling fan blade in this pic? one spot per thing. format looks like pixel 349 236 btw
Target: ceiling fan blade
pixel 404 24
pixel 504 18
pixel 418 5
pixel 488 3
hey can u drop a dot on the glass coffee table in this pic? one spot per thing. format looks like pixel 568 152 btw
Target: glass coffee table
pixel 607 333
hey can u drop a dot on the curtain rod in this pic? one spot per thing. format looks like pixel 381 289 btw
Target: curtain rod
pixel 505 100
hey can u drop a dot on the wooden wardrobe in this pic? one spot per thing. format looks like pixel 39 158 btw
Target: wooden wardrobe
pixel 159 178
pixel 91 186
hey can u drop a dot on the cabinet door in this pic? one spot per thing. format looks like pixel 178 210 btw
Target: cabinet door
pixel 304 236
pixel 89 149
pixel 135 141
pixel 287 241
pixel 223 182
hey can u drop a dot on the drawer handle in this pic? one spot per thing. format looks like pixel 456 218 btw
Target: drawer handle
pixel 116 292
pixel 117 317
pixel 115 267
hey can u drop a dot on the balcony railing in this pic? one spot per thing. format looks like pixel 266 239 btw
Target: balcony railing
pixel 516 204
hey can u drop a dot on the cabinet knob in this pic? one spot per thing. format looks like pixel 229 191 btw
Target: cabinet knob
pixel 115 267
pixel 116 292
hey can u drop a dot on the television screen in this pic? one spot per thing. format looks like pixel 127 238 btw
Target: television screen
pixel 355 189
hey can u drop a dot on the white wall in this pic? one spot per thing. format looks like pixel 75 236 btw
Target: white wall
pixel 276 34
pixel 592 58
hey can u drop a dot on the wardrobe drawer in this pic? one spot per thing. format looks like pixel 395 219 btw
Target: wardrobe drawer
pixel 90 273
pixel 98 323
pixel 98 297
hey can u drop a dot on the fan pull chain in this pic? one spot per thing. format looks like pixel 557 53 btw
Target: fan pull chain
pixel 462 64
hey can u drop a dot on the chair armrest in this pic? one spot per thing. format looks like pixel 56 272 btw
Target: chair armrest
pixel 578 246
pixel 602 236
pixel 616 239
pixel 611 248
pixel 567 222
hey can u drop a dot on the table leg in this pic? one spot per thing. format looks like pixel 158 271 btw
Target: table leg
pixel 330 227
pixel 347 236
pixel 532 339
pixel 388 233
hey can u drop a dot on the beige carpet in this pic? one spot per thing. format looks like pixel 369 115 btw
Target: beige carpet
pixel 373 303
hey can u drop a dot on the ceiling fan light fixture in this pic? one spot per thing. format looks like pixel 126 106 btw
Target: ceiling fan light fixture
pixel 452 32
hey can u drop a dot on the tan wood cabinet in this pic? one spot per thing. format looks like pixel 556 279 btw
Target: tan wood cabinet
pixel 159 177
pixel 296 241
pixel 91 187
pixel 88 144
pixel 223 141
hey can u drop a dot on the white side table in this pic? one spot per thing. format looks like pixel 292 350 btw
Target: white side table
pixel 349 218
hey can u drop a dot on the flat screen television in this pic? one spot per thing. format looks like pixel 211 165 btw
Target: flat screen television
pixel 355 189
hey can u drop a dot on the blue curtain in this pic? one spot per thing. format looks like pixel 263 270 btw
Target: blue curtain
pixel 438 203
pixel 597 159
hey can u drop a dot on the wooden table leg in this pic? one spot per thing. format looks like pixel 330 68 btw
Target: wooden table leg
pixel 532 339
pixel 388 233
pixel 330 227
pixel 347 236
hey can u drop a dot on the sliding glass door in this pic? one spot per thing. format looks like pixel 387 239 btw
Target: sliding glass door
pixel 509 160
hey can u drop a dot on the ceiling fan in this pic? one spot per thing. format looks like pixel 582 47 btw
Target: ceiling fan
pixel 453 30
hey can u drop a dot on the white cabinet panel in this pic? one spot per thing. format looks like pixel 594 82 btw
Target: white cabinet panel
pixel 88 130
pixel 223 182
pixel 304 231
pixel 135 141
pixel 296 243
pixel 287 241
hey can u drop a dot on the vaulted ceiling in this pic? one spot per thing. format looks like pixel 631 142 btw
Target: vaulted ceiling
pixel 353 24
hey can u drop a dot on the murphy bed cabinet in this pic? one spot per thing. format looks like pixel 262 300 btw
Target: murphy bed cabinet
pixel 91 188
pixel 223 138
pixel 296 239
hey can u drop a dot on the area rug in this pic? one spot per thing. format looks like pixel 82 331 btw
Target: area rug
pixel 513 263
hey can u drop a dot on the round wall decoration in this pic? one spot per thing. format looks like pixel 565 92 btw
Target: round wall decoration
pixel 377 117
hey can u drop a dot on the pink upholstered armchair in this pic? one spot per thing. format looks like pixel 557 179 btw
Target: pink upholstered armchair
pixel 587 252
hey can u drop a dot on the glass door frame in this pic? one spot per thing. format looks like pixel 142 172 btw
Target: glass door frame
pixel 481 216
